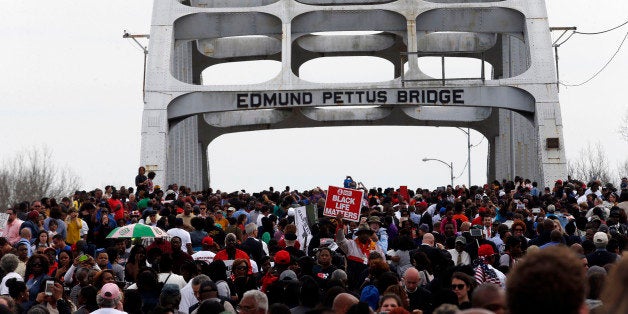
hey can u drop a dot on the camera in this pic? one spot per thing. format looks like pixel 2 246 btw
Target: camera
pixel 476 233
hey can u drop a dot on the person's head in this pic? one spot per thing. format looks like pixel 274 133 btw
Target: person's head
pixel 8 303
pixel 600 239
pixel 461 284
pixel 196 284
pixel 323 256
pixel 343 301
pixel 554 278
pixel 26 233
pixel 231 241
pixel 147 279
pixel 411 279
pixel 22 251
pixel 491 297
pixel 103 277
pixel 17 289
pixel 251 229
pixel 37 265
pixel 87 296
pixel 12 215
pixel 109 296
pixel 240 268
pixel 102 258
pixel 487 220
pixel 518 228
pixel 364 233
pixel 53 225
pixel 170 297
pixel 58 241
pixel 175 243
pixel 388 302
pixel 614 294
pixel 9 263
pixel 253 301
pixel 428 239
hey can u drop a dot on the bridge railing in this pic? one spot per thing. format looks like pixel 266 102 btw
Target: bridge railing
pixel 442 56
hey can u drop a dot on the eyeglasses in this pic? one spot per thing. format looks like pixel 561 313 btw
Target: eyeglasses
pixel 458 287
pixel 518 229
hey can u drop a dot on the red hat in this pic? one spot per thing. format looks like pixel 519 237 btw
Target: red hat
pixel 33 214
pixel 485 250
pixel 208 241
pixel 282 257
pixel 559 182
pixel 422 205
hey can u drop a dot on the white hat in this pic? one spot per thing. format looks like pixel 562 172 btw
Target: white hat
pixel 600 239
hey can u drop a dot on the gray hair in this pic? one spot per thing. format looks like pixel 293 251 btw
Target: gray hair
pixel 339 274
pixel 261 300
pixel 107 303
pixel 200 279
pixel 9 263
pixel 230 236
pixel 38 309
pixel 250 228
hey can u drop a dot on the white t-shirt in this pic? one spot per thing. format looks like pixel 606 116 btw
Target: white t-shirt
pixel 4 290
pixel 184 235
pixel 205 256
pixel 107 311
pixel 172 279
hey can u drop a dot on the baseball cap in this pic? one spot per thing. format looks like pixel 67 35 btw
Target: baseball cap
pixel 208 241
pixel 110 291
pixel 461 240
pixel 33 214
pixel 282 257
pixel 485 250
pixel 600 238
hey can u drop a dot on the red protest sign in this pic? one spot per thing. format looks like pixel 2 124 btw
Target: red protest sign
pixel 345 201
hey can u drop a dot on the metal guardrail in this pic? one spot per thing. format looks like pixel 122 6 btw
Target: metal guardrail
pixel 443 79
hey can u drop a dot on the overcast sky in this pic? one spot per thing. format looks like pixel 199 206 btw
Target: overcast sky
pixel 70 82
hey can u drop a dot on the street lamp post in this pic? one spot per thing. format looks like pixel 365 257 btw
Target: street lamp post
pixel 450 165
pixel 468 133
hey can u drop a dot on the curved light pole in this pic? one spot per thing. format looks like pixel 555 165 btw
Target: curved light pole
pixel 468 133
pixel 450 165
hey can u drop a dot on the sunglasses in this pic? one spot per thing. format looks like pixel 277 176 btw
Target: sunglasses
pixel 458 287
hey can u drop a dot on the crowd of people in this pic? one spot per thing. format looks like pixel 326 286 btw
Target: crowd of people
pixel 504 247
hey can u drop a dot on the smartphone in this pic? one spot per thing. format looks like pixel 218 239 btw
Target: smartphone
pixel 83 258
pixel 49 285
